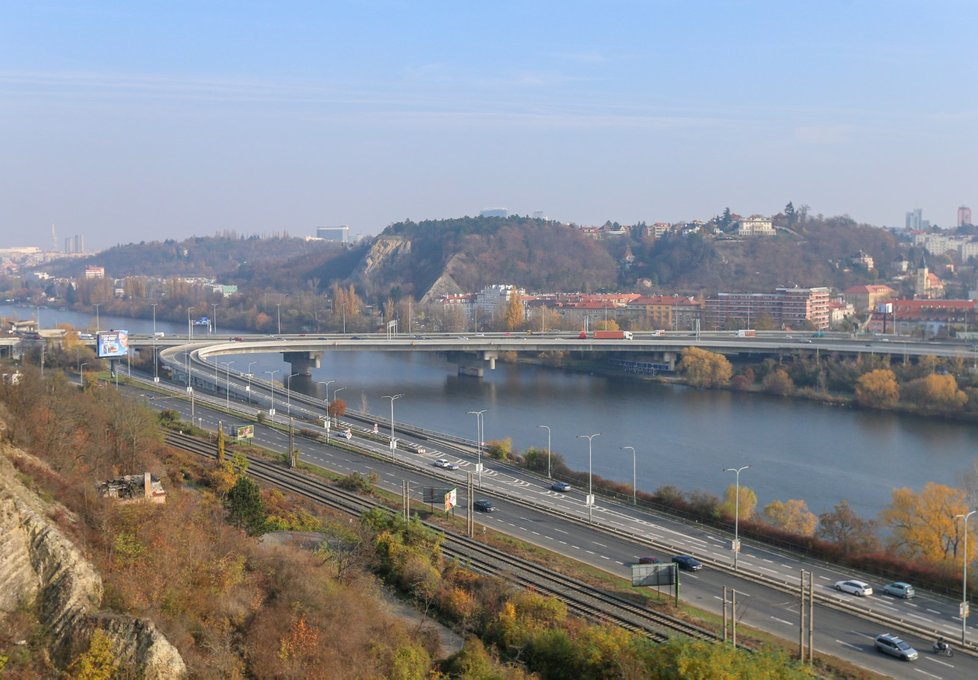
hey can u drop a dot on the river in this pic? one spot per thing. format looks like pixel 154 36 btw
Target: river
pixel 682 436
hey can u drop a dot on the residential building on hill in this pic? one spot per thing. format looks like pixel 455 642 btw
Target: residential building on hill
pixel 865 298
pixel 664 312
pixel 787 307
pixel 755 225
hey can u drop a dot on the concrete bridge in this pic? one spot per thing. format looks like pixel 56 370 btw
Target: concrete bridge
pixel 474 353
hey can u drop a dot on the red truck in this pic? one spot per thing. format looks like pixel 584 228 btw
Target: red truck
pixel 607 335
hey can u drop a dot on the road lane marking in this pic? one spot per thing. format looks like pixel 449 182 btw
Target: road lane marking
pixel 943 663
pixel 846 644
pixel 929 674
pixel 787 623
pixel 932 611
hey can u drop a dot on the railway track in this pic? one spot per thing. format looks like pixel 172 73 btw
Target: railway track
pixel 580 599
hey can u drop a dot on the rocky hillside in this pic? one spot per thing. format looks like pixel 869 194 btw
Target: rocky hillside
pixel 41 567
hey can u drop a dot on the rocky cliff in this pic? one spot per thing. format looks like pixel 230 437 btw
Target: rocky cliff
pixel 40 566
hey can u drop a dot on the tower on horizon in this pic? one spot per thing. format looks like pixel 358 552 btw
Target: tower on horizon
pixel 964 216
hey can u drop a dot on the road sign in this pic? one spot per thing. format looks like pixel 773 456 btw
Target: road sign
pixel 589 500
pixel 735 545
pixel 963 610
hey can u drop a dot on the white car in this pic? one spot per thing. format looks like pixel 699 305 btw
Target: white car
pixel 446 464
pixel 860 588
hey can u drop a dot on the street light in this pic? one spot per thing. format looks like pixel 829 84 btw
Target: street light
pixel 393 398
pixel 227 383
pixel 336 420
pixel 326 400
pixel 478 434
pixel 964 578
pixel 278 308
pixel 271 379
pixel 736 543
pixel 590 496
pixel 214 319
pixel 190 326
pixel 81 373
pixel 250 364
pixel 97 325
pixel 288 392
pixel 156 374
pixel 547 427
pixel 634 478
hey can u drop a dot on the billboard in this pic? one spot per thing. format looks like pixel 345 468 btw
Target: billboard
pixel 242 432
pixel 112 344
pixel 653 574
pixel 447 498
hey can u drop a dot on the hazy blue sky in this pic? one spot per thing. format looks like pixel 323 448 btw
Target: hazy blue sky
pixel 129 121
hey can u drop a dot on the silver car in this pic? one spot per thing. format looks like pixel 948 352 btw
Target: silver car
pixel 899 589
pixel 860 588
pixel 894 646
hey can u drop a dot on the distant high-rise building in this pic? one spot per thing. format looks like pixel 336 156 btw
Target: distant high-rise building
pixel 340 234
pixel 915 219
pixel 74 244
pixel 964 216
pixel 494 212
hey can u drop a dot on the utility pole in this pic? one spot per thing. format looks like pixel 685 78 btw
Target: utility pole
pixel 292 454
pixel 469 517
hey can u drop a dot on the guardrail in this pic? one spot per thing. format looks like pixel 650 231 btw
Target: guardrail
pixel 784 585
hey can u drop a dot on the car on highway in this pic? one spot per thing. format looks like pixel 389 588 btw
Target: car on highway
pixel 563 487
pixel 899 589
pixel 860 588
pixel 484 506
pixel 688 562
pixel 648 559
pixel 894 646
pixel 446 464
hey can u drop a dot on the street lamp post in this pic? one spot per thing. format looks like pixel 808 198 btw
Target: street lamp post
pixel 98 326
pixel 478 434
pixel 326 401
pixel 81 373
pixel 288 392
pixel 190 326
pixel 250 364
pixel 271 379
pixel 156 374
pixel 634 477
pixel 227 384
pixel 393 398
pixel 278 313
pixel 736 541
pixel 590 496
pixel 214 319
pixel 336 420
pixel 547 428
pixel 964 578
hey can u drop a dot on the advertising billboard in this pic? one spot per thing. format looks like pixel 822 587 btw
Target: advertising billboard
pixel 243 432
pixel 112 344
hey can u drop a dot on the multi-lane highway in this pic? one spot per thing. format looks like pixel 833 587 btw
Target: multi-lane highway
pixel 620 534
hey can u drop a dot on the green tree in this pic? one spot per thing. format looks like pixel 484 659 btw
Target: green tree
pixel 245 507
pixel 878 389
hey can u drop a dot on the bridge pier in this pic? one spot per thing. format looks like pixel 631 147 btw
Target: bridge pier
pixel 473 364
pixel 303 362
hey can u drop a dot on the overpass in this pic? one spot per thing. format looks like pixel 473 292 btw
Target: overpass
pixel 473 353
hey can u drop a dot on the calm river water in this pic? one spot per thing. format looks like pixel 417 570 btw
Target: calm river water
pixel 683 437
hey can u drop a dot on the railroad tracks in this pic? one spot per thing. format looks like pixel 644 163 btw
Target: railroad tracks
pixel 580 599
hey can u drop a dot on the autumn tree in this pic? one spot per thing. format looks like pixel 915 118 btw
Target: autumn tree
pixel 514 312
pixel 98 661
pixel 849 531
pixel 748 502
pixel 878 389
pixel 923 526
pixel 705 369
pixel 791 515
pixel 779 382
pixel 935 393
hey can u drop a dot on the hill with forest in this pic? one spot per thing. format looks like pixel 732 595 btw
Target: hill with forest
pixel 205 257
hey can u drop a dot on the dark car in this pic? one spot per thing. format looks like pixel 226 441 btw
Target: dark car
pixel 484 506
pixel 688 562
pixel 648 559
pixel 894 646
pixel 563 487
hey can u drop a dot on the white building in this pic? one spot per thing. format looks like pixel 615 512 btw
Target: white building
pixel 755 225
